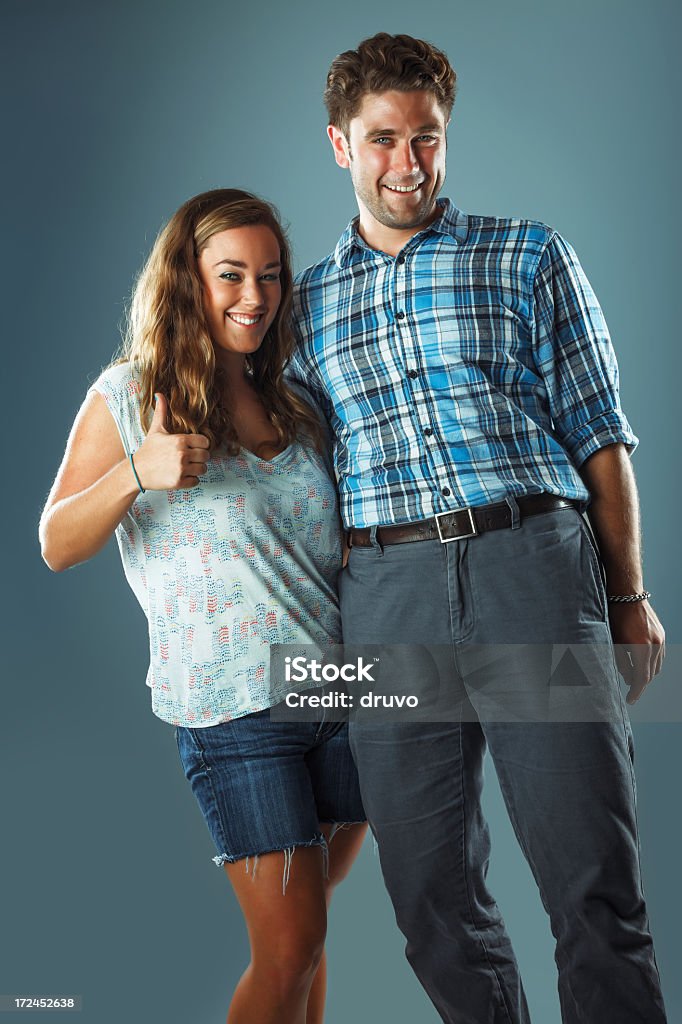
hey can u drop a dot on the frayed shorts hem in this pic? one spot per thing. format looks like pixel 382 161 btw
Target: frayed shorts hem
pixel 288 852
pixel 319 839
pixel 228 858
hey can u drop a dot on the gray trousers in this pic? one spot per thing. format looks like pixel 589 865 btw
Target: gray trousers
pixel 568 785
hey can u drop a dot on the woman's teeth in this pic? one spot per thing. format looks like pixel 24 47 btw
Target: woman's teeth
pixel 245 321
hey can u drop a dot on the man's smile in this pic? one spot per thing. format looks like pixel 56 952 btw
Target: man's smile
pixel 404 188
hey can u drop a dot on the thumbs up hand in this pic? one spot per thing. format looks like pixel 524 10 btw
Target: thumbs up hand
pixel 166 461
pixel 158 424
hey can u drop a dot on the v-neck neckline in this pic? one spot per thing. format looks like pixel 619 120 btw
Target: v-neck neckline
pixel 267 462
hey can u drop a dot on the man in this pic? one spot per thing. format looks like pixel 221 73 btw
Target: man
pixel 472 389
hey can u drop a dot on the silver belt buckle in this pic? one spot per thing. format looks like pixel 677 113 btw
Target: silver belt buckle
pixel 461 536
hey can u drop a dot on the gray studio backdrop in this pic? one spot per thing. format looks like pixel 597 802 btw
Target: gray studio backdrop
pixel 116 113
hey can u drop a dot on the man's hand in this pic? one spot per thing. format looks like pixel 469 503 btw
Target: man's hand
pixel 639 640
pixel 614 514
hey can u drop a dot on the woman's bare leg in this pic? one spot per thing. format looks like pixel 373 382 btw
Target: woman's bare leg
pixel 343 849
pixel 286 932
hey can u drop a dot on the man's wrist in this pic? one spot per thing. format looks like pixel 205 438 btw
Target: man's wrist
pixel 622 579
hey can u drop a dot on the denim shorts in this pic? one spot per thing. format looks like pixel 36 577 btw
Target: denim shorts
pixel 264 786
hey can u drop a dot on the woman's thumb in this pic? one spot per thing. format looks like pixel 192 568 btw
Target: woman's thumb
pixel 158 424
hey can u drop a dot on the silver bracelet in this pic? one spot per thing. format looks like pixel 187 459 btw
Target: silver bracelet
pixel 628 598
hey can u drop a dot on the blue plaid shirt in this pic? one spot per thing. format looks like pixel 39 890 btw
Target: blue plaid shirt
pixel 474 365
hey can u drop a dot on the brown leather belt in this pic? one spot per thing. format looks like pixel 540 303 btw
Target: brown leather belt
pixel 465 522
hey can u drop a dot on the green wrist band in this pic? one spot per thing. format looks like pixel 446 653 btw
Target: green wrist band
pixel 132 464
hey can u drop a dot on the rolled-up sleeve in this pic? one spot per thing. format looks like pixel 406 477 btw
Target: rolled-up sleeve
pixel 575 357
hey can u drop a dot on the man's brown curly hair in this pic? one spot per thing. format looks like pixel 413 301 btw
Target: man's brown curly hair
pixel 386 62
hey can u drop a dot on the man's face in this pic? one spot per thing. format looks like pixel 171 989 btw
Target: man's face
pixel 395 152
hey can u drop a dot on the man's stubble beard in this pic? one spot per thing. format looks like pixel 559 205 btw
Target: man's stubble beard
pixel 385 216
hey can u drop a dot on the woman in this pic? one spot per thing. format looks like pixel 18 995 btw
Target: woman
pixel 209 469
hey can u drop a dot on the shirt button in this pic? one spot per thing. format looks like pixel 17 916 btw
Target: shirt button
pixel 446 492
pixel 428 432
pixel 400 316
pixel 412 374
pixel 401 259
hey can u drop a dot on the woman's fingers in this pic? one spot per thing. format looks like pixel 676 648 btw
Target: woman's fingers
pixel 166 461
pixel 196 440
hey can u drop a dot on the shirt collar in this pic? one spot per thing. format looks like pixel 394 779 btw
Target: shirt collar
pixel 451 223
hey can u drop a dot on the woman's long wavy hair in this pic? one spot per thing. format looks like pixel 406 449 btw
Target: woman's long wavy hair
pixel 167 339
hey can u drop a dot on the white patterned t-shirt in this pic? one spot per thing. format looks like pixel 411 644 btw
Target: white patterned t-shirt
pixel 245 559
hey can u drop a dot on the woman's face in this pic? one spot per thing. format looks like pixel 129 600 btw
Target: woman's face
pixel 240 272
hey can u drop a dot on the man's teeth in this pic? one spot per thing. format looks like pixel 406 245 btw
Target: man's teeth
pixel 247 321
pixel 403 188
